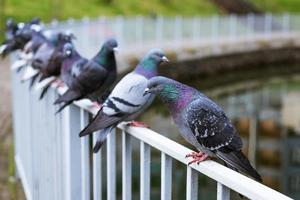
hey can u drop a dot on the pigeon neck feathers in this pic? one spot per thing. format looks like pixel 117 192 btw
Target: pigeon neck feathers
pixel 177 96
pixel 147 68
pixel 106 58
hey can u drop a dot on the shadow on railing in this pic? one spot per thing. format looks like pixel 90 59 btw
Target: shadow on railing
pixel 54 163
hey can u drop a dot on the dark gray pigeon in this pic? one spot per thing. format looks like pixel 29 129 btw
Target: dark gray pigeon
pixel 95 77
pixel 126 101
pixel 72 64
pixel 54 64
pixel 202 123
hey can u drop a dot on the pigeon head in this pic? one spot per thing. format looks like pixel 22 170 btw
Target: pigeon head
pixel 106 56
pixel 10 23
pixel 35 20
pixel 65 37
pixel 170 91
pixel 68 50
pixel 110 45
pixel 148 65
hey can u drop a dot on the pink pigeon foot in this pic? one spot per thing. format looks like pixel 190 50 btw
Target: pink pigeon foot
pixel 97 105
pixel 137 124
pixel 59 83
pixel 197 157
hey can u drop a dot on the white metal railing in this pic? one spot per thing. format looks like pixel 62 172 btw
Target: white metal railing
pixel 146 31
pixel 54 163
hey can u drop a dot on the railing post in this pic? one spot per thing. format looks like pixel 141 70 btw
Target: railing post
pixel 223 192
pixel 250 24
pixel 85 158
pixel 145 162
pixel 191 184
pixel 97 171
pixel 215 27
pixel 126 166
pixel 72 150
pixel 159 29
pixel 232 25
pixel 111 165
pixel 268 24
pixel 166 177
pixel 139 30
pixel 178 29
pixel 286 22
pixel 196 28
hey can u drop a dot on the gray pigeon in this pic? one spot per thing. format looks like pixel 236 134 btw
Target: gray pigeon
pixel 72 65
pixel 202 123
pixel 96 76
pixel 126 101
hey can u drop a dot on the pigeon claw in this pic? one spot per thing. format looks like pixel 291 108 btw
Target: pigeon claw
pixel 97 105
pixel 197 157
pixel 137 124
pixel 194 154
pixel 59 83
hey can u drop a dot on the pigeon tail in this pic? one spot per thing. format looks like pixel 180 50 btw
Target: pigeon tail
pixel 45 89
pixel 238 160
pixel 68 96
pixel 32 81
pixel 101 138
pixel 100 121
pixel 63 106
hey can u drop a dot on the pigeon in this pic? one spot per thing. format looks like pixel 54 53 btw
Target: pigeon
pixel 94 78
pixel 47 59
pixel 71 64
pixel 202 123
pixel 126 100
pixel 19 36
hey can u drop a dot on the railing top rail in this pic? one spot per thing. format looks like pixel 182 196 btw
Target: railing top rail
pixel 235 181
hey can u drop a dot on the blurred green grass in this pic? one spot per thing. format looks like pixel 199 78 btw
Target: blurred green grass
pixel 278 6
pixel 23 10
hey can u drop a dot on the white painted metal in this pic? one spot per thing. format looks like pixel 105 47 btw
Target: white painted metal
pixel 72 152
pixel 53 163
pixel 145 170
pixel 166 177
pixel 97 172
pixel 191 184
pixel 223 192
pixel 218 172
pixel 126 166
pixel 111 165
pixel 85 158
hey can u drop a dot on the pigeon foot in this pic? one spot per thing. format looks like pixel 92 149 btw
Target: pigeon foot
pixel 59 83
pixel 96 105
pixel 137 124
pixel 197 157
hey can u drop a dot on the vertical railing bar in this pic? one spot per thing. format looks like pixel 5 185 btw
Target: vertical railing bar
pixel 111 165
pixel 223 192
pixel 145 180
pixel 85 162
pixel 191 184
pixel 166 177
pixel 97 172
pixel 126 166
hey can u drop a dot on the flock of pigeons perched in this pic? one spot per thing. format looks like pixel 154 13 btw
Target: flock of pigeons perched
pixel 48 56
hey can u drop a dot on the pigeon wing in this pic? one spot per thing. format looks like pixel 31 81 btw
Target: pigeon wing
pixel 212 128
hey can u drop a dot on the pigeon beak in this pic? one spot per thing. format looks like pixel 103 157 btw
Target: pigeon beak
pixel 116 49
pixel 68 52
pixel 147 91
pixel 165 59
pixel 2 48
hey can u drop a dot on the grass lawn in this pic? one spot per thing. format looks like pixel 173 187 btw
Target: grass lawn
pixel 278 6
pixel 63 9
